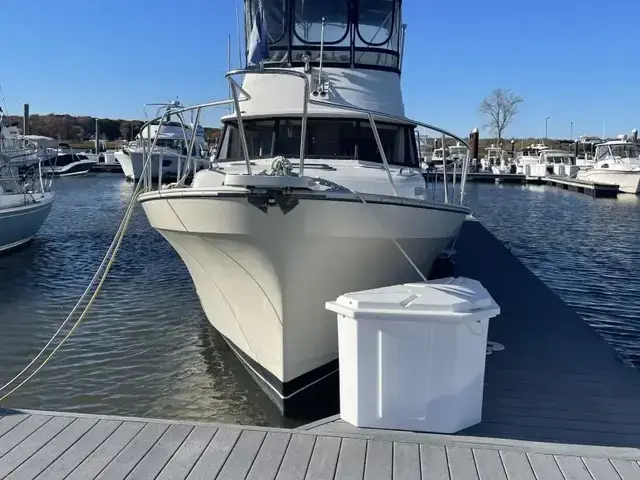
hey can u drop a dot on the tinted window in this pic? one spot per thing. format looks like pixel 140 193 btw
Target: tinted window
pixel 326 138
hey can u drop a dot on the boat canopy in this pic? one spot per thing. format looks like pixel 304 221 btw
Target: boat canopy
pixel 356 33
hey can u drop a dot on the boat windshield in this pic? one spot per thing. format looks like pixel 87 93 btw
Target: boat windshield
pixel 625 151
pixel 565 159
pixel 326 138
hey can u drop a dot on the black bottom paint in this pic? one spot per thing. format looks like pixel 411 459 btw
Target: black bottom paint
pixel 317 400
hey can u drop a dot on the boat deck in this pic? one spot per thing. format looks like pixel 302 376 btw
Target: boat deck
pixel 558 404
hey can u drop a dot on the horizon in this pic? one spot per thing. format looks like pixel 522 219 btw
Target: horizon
pixel 112 73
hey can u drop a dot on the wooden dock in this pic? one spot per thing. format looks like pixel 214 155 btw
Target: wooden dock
pixel 599 190
pixel 558 404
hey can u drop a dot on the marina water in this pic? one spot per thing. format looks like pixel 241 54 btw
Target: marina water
pixel 146 348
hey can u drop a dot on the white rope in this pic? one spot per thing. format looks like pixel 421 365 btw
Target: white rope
pixel 393 239
pixel 104 268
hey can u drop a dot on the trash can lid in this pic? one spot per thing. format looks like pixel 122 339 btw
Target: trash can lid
pixel 449 299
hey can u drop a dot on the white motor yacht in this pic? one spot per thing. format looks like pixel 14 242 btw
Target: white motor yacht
pixel 316 191
pixel 170 149
pixel 616 163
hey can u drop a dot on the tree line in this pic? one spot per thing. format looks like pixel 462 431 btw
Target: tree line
pixel 82 128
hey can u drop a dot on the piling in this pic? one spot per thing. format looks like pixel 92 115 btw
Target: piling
pixel 474 143
pixel 97 141
pixel 25 120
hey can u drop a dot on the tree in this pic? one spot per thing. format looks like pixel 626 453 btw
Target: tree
pixel 500 107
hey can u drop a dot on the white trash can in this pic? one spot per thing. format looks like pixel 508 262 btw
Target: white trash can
pixel 412 357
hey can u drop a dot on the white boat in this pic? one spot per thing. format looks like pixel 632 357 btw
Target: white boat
pixel 584 147
pixel 528 161
pixel 425 150
pixel 65 162
pixel 25 203
pixel 170 152
pixel 558 162
pixel 15 149
pixel 616 163
pixel 495 160
pixel 270 233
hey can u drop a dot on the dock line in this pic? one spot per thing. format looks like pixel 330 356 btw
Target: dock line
pixel 106 264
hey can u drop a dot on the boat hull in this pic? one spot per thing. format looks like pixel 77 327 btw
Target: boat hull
pixel 132 164
pixel 19 224
pixel 263 276
pixel 627 182
pixel 81 167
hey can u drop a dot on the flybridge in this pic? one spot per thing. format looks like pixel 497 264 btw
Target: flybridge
pixel 346 33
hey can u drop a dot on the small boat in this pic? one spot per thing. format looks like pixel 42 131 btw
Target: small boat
pixel 616 163
pixel 528 161
pixel 25 203
pixel 64 162
pixel 17 150
pixel 173 137
pixel 558 162
pixel 495 160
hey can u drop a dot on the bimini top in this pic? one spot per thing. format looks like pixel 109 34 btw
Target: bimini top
pixel 357 33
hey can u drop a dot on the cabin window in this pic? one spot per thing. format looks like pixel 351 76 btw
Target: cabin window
pixel 308 21
pixel 376 21
pixel 347 139
pixel 275 16
pixel 259 136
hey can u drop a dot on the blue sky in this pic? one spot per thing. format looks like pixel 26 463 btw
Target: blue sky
pixel 572 61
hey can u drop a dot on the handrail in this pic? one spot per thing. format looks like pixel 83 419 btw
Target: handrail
pixel 388 116
pixel 305 104
pixel 239 94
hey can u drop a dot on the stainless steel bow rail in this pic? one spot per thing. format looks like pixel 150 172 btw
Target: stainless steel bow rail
pixel 239 95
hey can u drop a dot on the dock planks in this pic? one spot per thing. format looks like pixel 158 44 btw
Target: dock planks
pixel 78 446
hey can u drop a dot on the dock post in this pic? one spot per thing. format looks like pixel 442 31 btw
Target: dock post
pixel 25 120
pixel 474 141
pixel 97 142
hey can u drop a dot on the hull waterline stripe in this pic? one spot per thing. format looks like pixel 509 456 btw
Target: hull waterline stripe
pixel 275 390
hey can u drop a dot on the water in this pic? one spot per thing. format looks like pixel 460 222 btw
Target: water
pixel 146 348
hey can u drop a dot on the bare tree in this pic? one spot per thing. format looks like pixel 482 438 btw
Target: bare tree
pixel 500 107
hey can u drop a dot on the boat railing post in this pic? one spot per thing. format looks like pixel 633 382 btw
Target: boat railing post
pixel 303 127
pixel 463 178
pixel 40 176
pixel 243 138
pixel 453 180
pixel 160 165
pixel 374 128
pixel 444 172
pixel 192 143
